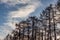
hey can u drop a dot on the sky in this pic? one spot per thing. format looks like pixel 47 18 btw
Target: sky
pixel 13 11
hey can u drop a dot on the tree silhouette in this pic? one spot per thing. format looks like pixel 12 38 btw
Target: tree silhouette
pixel 38 28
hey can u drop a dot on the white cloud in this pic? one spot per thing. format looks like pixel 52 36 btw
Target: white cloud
pixel 24 11
pixel 10 24
pixel 31 6
pixel 13 2
pixel 1 37
pixel 4 31
pixel 7 31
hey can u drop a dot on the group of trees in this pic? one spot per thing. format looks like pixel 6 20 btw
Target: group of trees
pixel 39 28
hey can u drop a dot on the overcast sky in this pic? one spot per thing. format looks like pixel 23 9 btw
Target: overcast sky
pixel 12 11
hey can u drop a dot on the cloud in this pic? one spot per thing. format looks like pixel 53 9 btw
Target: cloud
pixel 4 31
pixel 24 11
pixel 13 2
pixel 1 37
pixel 21 12
pixel 10 24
